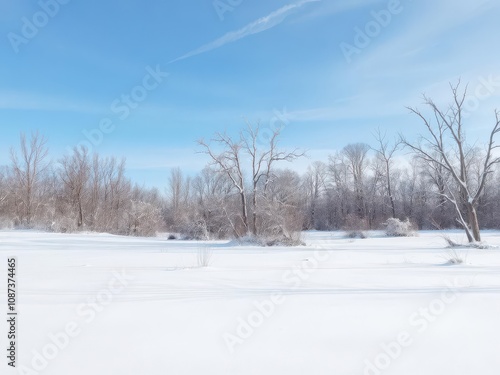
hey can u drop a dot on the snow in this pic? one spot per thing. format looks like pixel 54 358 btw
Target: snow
pixel 336 306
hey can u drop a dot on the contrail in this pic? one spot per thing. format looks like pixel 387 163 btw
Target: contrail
pixel 262 24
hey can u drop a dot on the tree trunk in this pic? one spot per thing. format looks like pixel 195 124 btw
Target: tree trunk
pixel 254 213
pixel 389 188
pixel 80 214
pixel 474 223
pixel 393 204
pixel 244 211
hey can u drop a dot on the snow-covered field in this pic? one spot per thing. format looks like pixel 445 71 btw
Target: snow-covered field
pixel 103 304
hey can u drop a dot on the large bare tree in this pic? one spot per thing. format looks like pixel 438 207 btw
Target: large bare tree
pixel 445 148
pixel 231 155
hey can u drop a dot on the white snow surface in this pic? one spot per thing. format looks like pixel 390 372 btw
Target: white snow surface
pixel 343 304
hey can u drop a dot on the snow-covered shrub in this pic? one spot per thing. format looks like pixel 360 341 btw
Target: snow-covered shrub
pixel 6 223
pixel 356 227
pixel 397 228
pixel 63 225
pixel 293 239
pixel 194 230
pixel 248 240
pixel 144 219
pixel 356 234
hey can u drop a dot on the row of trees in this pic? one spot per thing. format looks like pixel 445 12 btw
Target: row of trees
pixel 444 181
pixel 78 192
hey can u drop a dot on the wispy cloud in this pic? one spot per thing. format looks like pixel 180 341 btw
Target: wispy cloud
pixel 258 26
pixel 450 28
pixel 16 100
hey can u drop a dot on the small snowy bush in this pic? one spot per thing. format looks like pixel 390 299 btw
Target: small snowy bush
pixel 64 225
pixel 397 228
pixel 356 227
pixel 6 223
pixel 290 240
pixel 144 219
pixel 194 230
pixel 357 234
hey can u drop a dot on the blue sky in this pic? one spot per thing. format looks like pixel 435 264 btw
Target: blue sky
pixel 64 66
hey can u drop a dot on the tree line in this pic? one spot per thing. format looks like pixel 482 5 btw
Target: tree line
pixel 77 192
pixel 441 180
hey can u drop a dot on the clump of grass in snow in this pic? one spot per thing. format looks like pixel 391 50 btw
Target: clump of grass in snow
pixel 204 256
pixel 456 256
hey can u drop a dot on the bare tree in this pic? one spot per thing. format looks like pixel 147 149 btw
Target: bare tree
pixel 231 163
pixel 262 162
pixel 75 175
pixel 175 185
pixel 355 156
pixel 314 184
pixel 117 189
pixel 28 169
pixel 179 192
pixel 338 192
pixel 446 146
pixel 96 178
pixel 385 152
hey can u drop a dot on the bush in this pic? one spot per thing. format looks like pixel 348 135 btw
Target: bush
pixel 172 237
pixel 6 223
pixel 268 241
pixel 356 234
pixel 144 219
pixel 397 228
pixel 356 227
pixel 293 239
pixel 63 225
pixel 195 230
